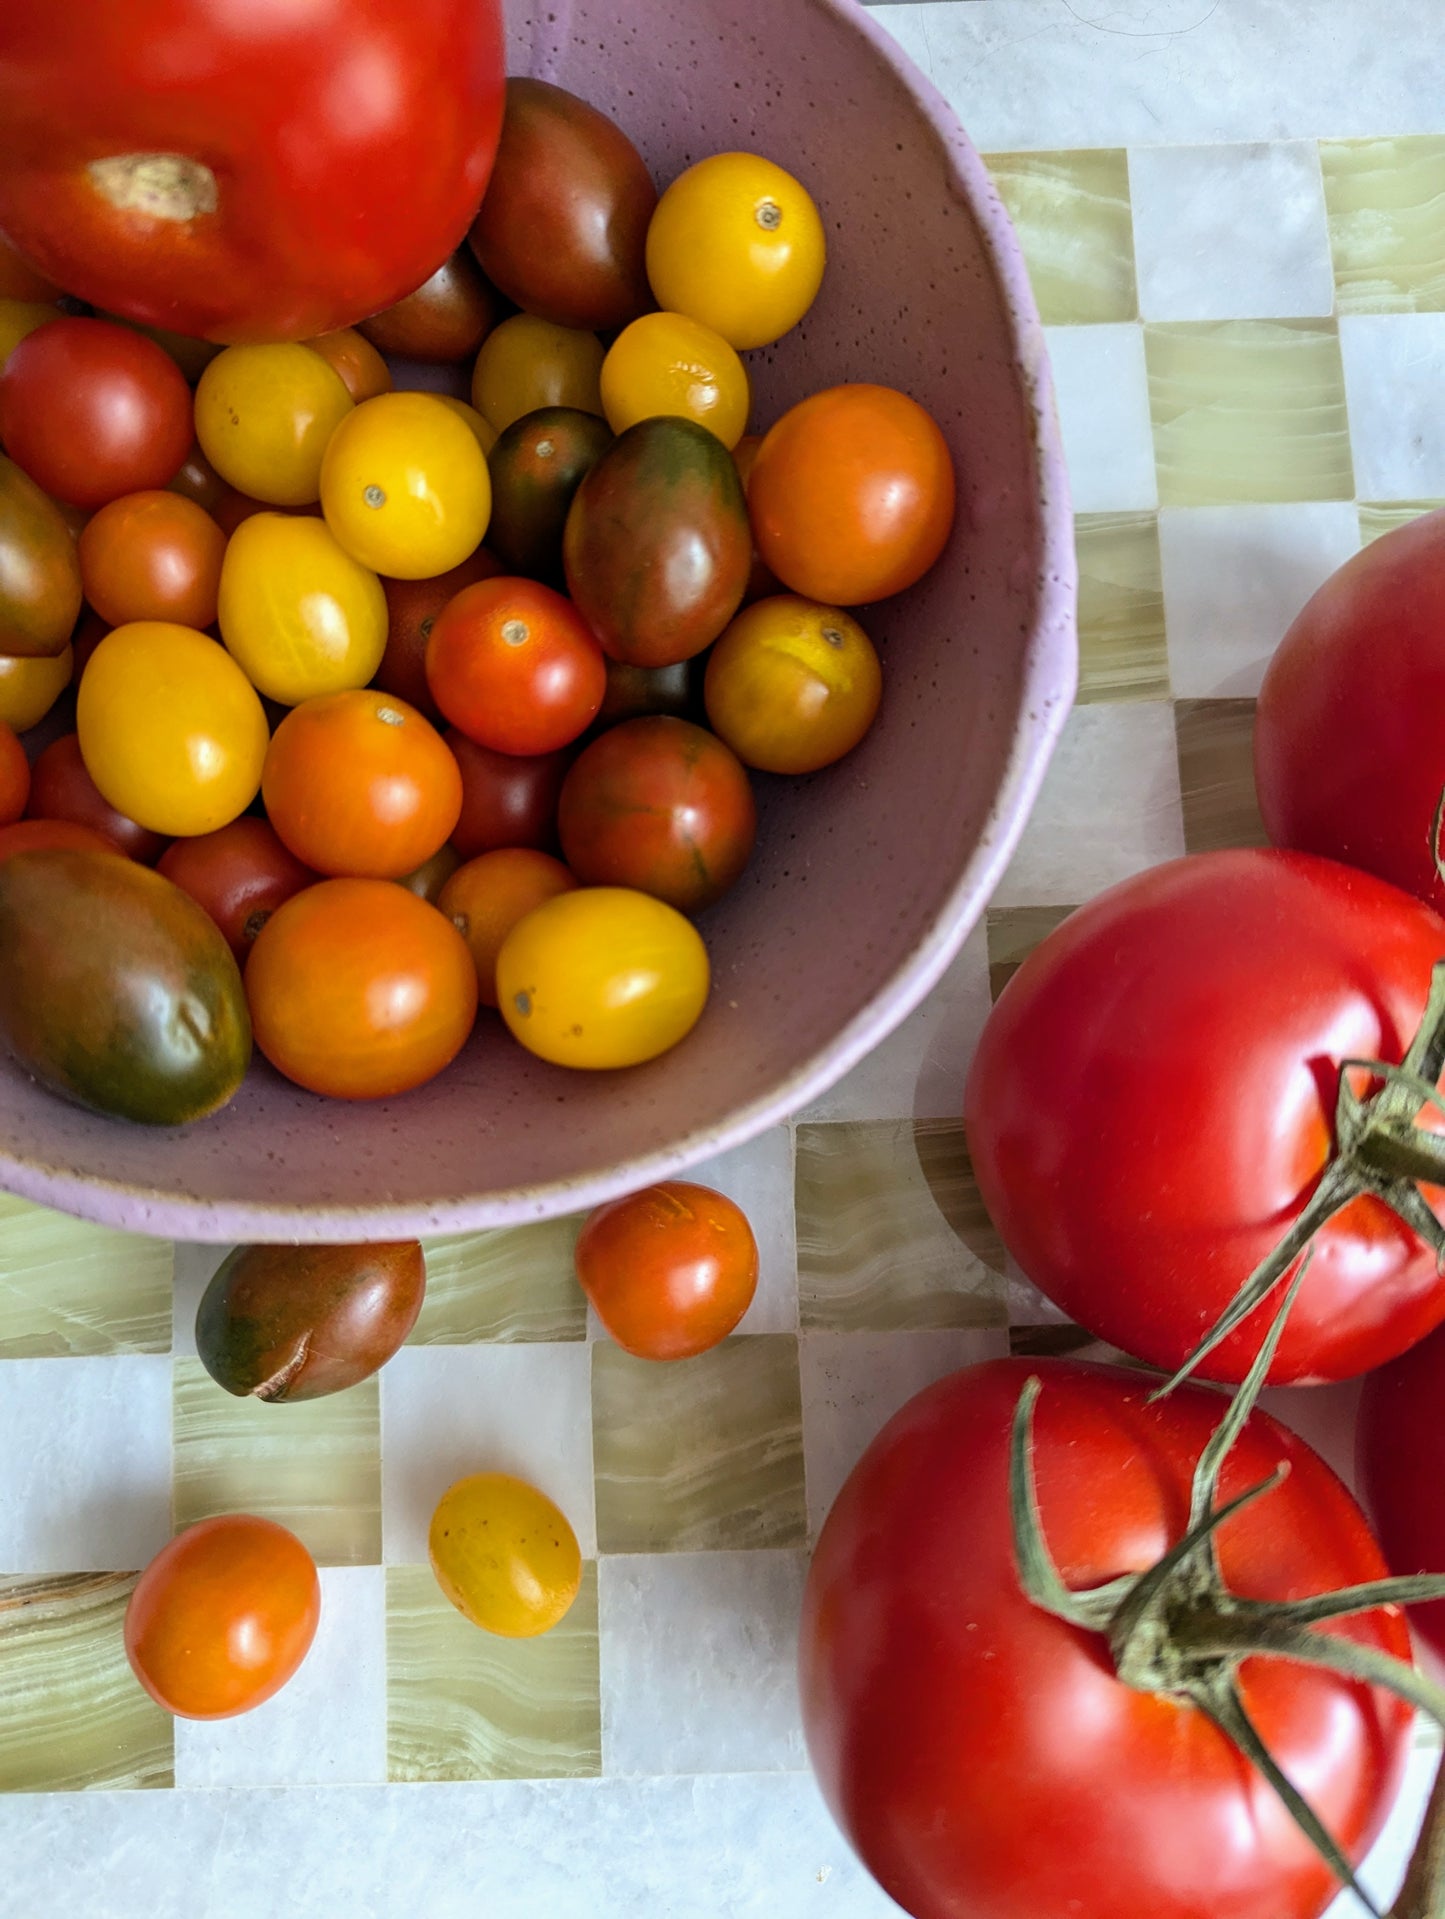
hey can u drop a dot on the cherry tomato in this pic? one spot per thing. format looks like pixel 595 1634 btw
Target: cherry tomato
pixel 198 480
pixel 428 879
pixel 506 800
pixel 360 785
pixel 29 688
pixel 852 495
pixel 240 874
pixel 152 556
pixel 537 466
pixel 661 806
pixel 763 583
pixel 352 356
pixel 191 355
pixel 40 836
pixel 602 977
pixel 412 607
pixel 264 416
pixel 62 789
pixel 665 364
pixel 515 666
pixel 223 1617
pixel 792 686
pixel 19 280
pixel 504 1555
pixel 405 487
pixel 670 1270
pixel 40 590
pixel 172 731
pixel 738 244
pixel 18 320
pixel 92 411
pixel 635 691
pixel 88 636
pixel 488 896
pixel 359 990
pixel 14 776
pixel 447 318
pixel 300 616
pixel 526 363
pixel 481 429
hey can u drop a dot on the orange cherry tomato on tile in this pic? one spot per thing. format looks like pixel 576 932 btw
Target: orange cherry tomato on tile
pixel 516 667
pixel 14 776
pixel 360 990
pixel 852 495
pixel 240 874
pixel 507 800
pixel 361 368
pixel 39 836
pixel 792 686
pixel 412 607
pixel 62 789
pixel 360 785
pixel 223 1616
pixel 152 556
pixel 669 1271
pixel 485 899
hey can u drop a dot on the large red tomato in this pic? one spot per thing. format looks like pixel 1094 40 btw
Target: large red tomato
pixel 1152 1101
pixel 1400 1454
pixel 982 1755
pixel 260 171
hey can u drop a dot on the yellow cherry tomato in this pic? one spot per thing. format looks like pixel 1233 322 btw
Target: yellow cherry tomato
pixel 29 688
pixel 738 244
pixel 264 415
pixel 18 319
pixel 171 730
pixel 505 1555
pixel 527 363
pixel 297 613
pixel 666 363
pixel 486 433
pixel 602 977
pixel 792 686
pixel 405 486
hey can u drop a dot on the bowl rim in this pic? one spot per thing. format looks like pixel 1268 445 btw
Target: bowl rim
pixel 1046 697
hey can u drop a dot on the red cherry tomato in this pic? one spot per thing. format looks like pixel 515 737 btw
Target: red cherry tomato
pixel 506 801
pixel 412 607
pixel 516 667
pixel 153 556
pixel 39 836
pixel 62 789
pixel 14 776
pixel 240 874
pixel 670 1270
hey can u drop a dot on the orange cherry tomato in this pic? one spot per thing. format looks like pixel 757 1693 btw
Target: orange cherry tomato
pixel 360 785
pixel 223 1616
pixel 360 990
pixel 363 372
pixel 61 789
pixel 792 686
pixel 152 556
pixel 852 495
pixel 239 874
pixel 14 776
pixel 486 898
pixel 516 667
pixel 39 836
pixel 412 607
pixel 669 1271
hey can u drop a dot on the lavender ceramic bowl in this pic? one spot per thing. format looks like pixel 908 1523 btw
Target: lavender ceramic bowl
pixel 869 876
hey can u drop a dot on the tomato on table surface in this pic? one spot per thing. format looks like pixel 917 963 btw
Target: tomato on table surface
pixel 792 686
pixel 62 789
pixel 515 666
pixel 223 1616
pixel 359 785
pixel 506 800
pixel 852 495
pixel 526 363
pixel 30 687
pixel 412 607
pixel 14 776
pixel 486 897
pixel 264 417
pixel 299 615
pixel 40 590
pixel 404 486
pixel 537 466
pixel 359 990
pixel 152 556
pixel 445 319
pixel 665 364
pixel 670 1270
pixel 505 1555
pixel 355 360
pixel 91 410
pixel 239 874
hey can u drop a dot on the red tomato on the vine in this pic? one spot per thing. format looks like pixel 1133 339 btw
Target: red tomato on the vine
pixel 1400 1454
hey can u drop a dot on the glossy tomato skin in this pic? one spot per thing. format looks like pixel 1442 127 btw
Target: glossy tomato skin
pixel 1152 1100
pixel 346 149
pixel 445 319
pixel 412 607
pixel 526 364
pixel 537 466
pixel 39 572
pixel 792 686
pixel 61 789
pixel 1400 1460
pixel 152 556
pixel 39 836
pixel 670 1270
pixel 981 1755
pixel 507 800
pixel 239 874
pixel 30 687
pixel 562 229
pixel 485 898
pixel 355 361
pixel 505 1555
pixel 515 666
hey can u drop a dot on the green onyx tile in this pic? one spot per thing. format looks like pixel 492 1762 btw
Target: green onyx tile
pixel 1216 774
pixel 1123 654
pixel 1074 221
pixel 465 1704
pixel 892 1234
pixel 314 1466
pixel 71 1713
pixel 71 1289
pixel 1386 205
pixel 1013 933
pixel 1248 410
pixel 1378 520
pixel 507 1286
pixel 699 1454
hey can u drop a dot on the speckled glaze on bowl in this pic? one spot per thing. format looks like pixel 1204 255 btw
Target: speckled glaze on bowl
pixel 869 876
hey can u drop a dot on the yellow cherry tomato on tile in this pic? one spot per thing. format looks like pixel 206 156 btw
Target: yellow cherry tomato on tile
pixel 29 688
pixel 486 433
pixel 348 353
pixel 405 486
pixel 792 686
pixel 171 730
pixel 19 319
pixel 665 363
pixel 264 415
pixel 298 614
pixel 738 244
pixel 527 363
pixel 505 1555
pixel 602 977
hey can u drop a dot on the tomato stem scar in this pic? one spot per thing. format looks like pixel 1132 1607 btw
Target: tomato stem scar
pixel 165 186
pixel 770 216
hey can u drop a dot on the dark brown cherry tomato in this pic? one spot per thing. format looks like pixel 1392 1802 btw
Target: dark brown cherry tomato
pixel 86 638
pixel 240 874
pixel 152 556
pixel 14 776
pixel 670 1270
pixel 634 691
pixel 428 881
pixel 412 607
pixel 198 480
pixel 515 666
pixel 62 789
pixel 662 806
pixel 39 570
pixel 506 800
pixel 299 1322
pixel 537 466
pixel 447 318
pixel 562 229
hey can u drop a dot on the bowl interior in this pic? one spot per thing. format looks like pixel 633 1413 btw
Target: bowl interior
pixel 867 876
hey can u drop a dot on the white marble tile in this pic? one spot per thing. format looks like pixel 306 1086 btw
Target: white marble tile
pixel 1103 394
pixel 1234 579
pixel 85 1463
pixel 1109 808
pixel 1231 233
pixel 853 1384
pixel 447 1411
pixel 1394 376
pixel 195 1268
pixel 759 1176
pixel 699 1662
pixel 327 1727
